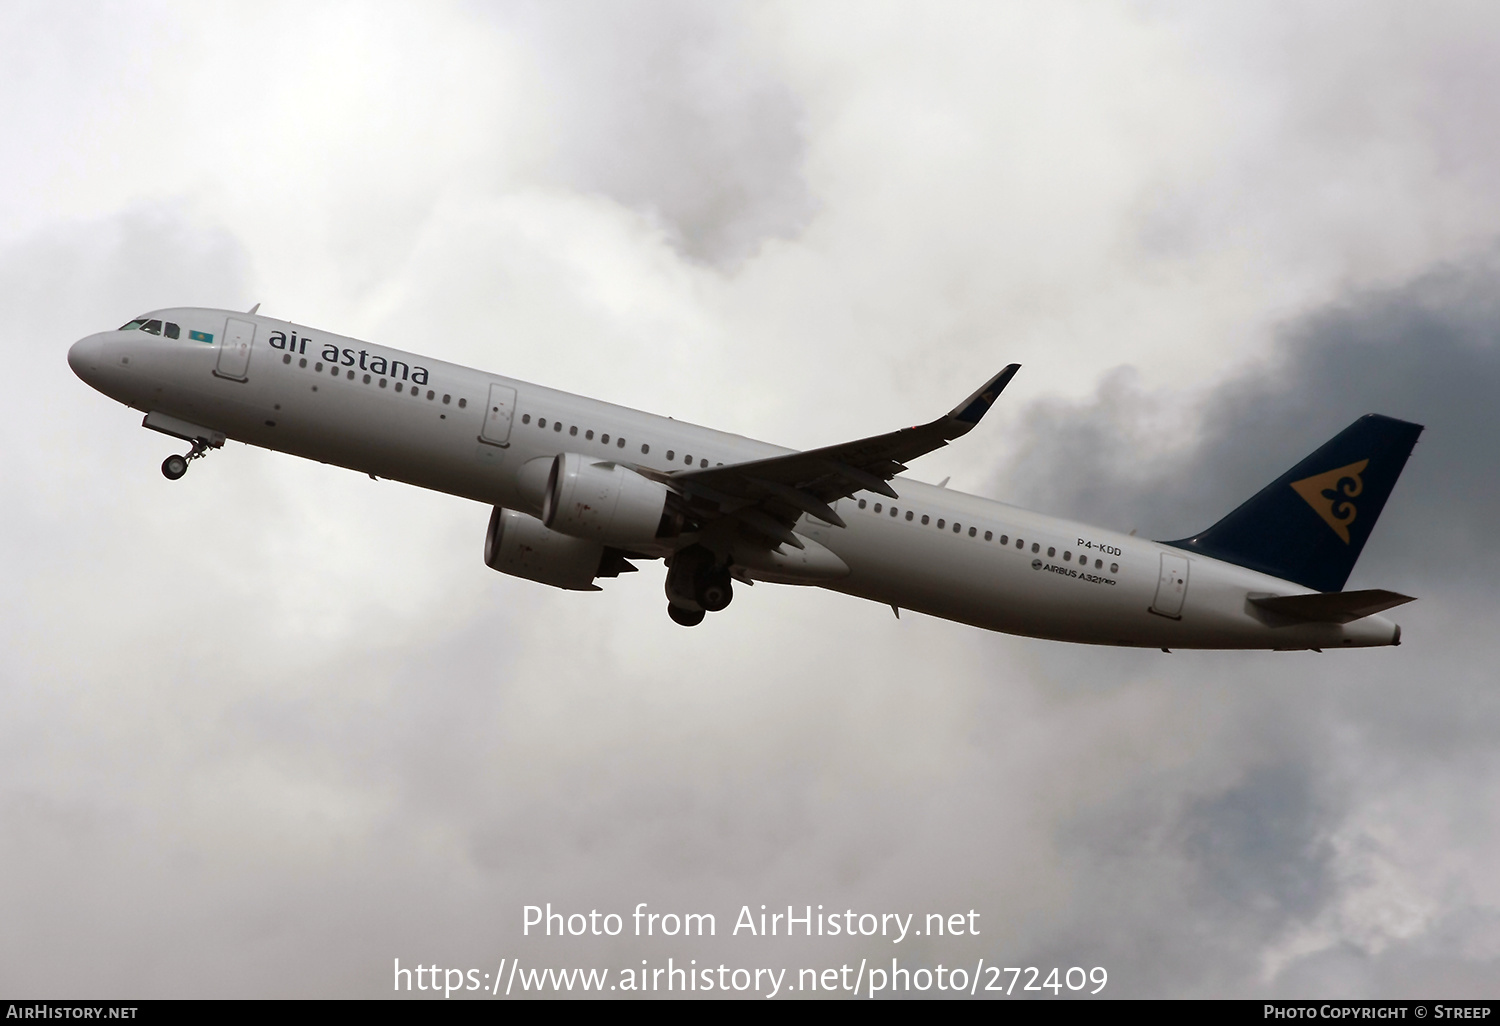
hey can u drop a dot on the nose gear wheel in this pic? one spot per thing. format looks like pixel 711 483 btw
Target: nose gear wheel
pixel 174 466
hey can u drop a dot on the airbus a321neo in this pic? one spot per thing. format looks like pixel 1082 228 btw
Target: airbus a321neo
pixel 580 489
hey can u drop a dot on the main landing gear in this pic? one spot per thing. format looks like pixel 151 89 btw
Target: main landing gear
pixel 174 466
pixel 696 585
pixel 685 616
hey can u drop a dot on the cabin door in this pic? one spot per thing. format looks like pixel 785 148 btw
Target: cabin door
pixel 497 415
pixel 234 350
pixel 1171 586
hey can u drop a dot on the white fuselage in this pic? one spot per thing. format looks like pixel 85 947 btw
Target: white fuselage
pixel 1004 569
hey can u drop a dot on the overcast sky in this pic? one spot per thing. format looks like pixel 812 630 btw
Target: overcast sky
pixel 267 728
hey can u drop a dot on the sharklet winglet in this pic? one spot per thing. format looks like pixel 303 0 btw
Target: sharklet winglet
pixel 971 410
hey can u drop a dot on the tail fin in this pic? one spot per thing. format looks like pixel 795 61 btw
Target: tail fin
pixel 1309 525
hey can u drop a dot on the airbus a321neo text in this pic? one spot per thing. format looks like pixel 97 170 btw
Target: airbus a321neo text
pixel 582 488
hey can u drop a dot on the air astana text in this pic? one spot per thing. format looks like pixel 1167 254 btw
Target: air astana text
pixel 351 358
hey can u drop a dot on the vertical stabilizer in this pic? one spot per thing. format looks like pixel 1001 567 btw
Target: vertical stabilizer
pixel 1310 525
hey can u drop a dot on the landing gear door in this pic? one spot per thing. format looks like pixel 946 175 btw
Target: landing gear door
pixel 1171 586
pixel 234 350
pixel 498 414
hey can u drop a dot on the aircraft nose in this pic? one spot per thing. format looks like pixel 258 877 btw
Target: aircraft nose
pixel 83 357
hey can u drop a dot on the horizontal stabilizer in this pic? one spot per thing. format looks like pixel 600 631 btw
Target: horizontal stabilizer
pixel 1333 606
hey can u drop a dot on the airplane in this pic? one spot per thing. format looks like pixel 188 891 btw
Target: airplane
pixel 581 490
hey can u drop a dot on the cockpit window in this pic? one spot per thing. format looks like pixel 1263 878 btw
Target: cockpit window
pixel 166 328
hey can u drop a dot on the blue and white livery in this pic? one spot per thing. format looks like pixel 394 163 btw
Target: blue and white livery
pixel 581 490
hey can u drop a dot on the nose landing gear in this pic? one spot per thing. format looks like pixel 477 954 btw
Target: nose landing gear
pixel 174 466
pixel 696 585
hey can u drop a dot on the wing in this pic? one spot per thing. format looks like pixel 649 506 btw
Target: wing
pixel 770 495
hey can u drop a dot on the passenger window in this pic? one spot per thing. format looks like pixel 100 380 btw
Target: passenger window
pixel 604 439
pixel 589 434
pixel 688 459
pixel 973 531
pixel 1036 547
pixel 861 503
pixel 398 386
pixel 382 382
pixel 877 507
pixel 671 455
pixel 925 519
pixel 367 378
pixel 286 358
pixel 1114 568
pixel 430 393
pixel 893 511
pixel 908 515
pixel 171 331
pixel 957 527
pixel 1005 539
pixel 351 375
pixel 645 449
pixel 557 426
pixel 318 367
pixel 942 524
pixel 989 536
pixel 619 443
pixel 1098 564
pixel 573 430
pixel 703 462
pixel 1020 544
pixel 525 417
pixel 462 403
pixel 1052 552
pixel 303 363
pixel 541 422
pixel 448 399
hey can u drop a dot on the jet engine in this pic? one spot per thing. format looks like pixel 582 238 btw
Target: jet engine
pixel 522 546
pixel 603 502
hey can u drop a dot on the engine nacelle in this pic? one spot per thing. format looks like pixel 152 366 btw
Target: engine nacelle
pixel 602 502
pixel 522 546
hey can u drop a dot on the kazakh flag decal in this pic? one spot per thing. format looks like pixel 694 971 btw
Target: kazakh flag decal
pixel 201 336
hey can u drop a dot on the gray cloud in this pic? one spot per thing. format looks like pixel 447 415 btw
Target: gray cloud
pixel 1427 352
pixel 668 107
pixel 1261 854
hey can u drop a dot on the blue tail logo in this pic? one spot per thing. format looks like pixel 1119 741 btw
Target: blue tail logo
pixel 1329 494
pixel 1311 523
